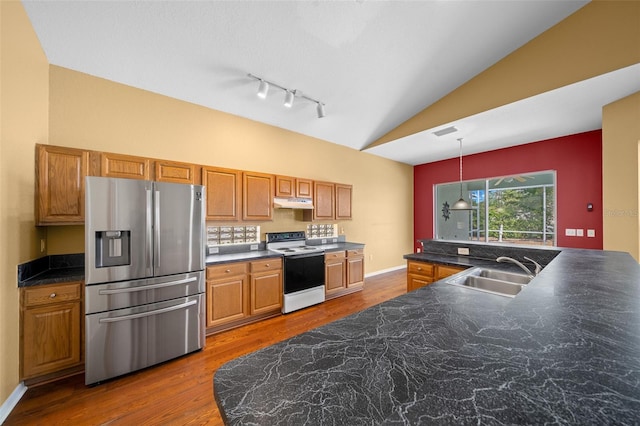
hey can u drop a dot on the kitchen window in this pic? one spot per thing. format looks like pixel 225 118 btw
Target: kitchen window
pixel 517 209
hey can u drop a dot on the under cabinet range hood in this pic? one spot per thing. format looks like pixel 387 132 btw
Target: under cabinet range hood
pixel 293 203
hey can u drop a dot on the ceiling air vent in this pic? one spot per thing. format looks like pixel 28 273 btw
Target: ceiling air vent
pixel 445 131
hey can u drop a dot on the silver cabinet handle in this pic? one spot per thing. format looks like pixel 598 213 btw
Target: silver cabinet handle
pixel 148 314
pixel 146 287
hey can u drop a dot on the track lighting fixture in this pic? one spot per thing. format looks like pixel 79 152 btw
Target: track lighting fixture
pixel 263 89
pixel 288 99
pixel 289 96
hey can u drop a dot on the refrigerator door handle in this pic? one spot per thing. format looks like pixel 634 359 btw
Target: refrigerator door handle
pixel 156 232
pixel 146 287
pixel 149 235
pixel 148 314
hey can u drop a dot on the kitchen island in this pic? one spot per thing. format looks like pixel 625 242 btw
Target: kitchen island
pixel 566 349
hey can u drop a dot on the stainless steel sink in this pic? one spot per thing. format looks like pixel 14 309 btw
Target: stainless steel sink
pixel 491 281
pixel 505 276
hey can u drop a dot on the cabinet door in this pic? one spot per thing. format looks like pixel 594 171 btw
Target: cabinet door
pixel 124 166
pixel 266 292
pixel 443 271
pixel 285 186
pixel 226 300
pixel 173 171
pixel 223 193
pixel 417 281
pixel 304 188
pixel 355 270
pixel 323 201
pixel 51 329
pixel 60 185
pixel 335 272
pixel 257 196
pixel 343 202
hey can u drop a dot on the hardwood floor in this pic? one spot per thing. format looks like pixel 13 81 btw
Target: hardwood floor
pixel 180 392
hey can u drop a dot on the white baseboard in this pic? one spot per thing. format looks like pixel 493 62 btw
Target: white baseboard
pixel 12 401
pixel 384 271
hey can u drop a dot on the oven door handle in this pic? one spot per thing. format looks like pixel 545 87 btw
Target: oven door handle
pixel 146 287
pixel 302 256
pixel 148 314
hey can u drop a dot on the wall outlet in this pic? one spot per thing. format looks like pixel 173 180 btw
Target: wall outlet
pixel 253 247
pixel 418 250
pixel 579 232
pixel 324 241
pixel 570 232
pixel 463 251
pixel 591 233
pixel 43 245
pixel 213 250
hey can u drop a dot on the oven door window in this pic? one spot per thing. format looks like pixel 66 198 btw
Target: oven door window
pixel 303 272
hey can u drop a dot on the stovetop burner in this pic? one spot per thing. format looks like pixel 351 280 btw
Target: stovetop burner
pixel 289 243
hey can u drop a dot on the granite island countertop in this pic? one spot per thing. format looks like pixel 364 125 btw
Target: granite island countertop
pixel 565 350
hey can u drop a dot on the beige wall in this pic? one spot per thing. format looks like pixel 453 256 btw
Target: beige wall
pixel 621 202
pixel 92 113
pixel 23 123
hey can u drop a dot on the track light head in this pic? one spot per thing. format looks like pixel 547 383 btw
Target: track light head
pixel 263 89
pixel 288 98
pixel 320 109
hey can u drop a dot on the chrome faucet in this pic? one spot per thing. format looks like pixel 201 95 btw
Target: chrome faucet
pixel 538 267
pixel 524 268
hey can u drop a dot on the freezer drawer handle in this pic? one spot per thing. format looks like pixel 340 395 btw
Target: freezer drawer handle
pixel 147 287
pixel 147 314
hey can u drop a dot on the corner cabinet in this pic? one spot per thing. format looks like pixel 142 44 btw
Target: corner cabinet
pixel 60 174
pixel 224 193
pixel 420 274
pixel 51 331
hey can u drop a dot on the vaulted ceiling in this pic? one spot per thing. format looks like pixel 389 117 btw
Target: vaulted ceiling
pixel 374 64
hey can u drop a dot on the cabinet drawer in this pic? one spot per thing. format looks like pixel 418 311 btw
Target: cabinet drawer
pixel 43 295
pixel 445 271
pixel 335 255
pixel 421 268
pixel 356 252
pixel 226 270
pixel 266 265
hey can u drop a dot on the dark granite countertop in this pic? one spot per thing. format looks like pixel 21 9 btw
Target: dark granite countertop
pixel 566 350
pixel 51 270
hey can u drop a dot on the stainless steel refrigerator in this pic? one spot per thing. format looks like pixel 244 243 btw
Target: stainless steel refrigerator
pixel 144 274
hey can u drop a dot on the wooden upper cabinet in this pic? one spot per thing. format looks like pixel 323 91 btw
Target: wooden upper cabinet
pixel 285 186
pixel 176 172
pixel 293 187
pixel 257 196
pixel 224 187
pixel 343 201
pixel 323 201
pixel 60 185
pixel 124 166
pixel 304 188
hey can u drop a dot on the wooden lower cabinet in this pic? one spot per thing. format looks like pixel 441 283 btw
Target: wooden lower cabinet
pixel 266 286
pixel 420 274
pixel 344 272
pixel 242 292
pixel 51 330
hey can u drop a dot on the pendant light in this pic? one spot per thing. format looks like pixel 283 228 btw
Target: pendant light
pixel 461 204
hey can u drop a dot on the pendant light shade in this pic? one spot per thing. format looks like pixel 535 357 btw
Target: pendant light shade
pixel 461 204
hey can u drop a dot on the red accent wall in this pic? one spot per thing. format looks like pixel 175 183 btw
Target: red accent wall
pixel 577 160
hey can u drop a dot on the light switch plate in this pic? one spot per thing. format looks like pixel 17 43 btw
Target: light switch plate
pixel 253 247
pixel 591 233
pixel 570 232
pixel 579 232
pixel 463 251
